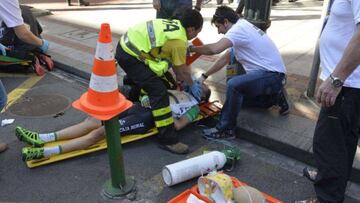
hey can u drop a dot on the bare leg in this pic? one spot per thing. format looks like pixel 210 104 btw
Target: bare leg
pixel 187 118
pixel 84 141
pixel 181 122
pixel 80 129
pixel 85 134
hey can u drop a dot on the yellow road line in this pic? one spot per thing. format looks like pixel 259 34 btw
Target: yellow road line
pixel 17 93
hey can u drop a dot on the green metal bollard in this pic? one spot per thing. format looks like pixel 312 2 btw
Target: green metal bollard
pixel 119 184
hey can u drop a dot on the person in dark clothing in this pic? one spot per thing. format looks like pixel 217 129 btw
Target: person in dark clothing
pixel 337 130
pixel 167 8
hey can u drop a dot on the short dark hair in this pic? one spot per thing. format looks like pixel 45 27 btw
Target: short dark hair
pixel 224 12
pixel 189 18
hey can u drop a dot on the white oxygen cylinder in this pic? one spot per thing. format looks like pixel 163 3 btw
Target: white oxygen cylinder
pixel 200 165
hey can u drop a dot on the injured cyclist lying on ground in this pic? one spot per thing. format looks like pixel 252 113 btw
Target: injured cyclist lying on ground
pixel 136 120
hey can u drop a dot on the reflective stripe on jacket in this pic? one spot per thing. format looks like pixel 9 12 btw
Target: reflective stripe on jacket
pixel 140 39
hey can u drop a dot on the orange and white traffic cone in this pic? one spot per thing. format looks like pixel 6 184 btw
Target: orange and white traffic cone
pixel 103 99
pixel 193 56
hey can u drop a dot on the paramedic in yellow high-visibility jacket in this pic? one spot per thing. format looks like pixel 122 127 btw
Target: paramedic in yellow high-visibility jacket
pixel 146 51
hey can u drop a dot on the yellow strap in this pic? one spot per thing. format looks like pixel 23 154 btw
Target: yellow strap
pixel 151 33
pixel 161 112
pixel 231 71
pixel 143 92
pixel 164 122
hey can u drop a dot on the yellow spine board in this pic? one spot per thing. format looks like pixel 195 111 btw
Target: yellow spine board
pixel 96 147
pixel 212 108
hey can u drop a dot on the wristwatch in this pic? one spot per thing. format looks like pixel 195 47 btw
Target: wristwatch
pixel 190 47
pixel 336 82
pixel 204 76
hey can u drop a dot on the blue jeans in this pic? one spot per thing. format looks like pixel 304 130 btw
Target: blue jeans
pixel 249 90
pixel 3 96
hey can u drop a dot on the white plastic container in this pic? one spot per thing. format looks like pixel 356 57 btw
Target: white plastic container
pixel 200 165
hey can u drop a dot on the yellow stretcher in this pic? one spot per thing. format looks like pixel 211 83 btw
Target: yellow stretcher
pixel 206 110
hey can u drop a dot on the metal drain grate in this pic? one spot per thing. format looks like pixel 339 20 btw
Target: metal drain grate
pixel 40 105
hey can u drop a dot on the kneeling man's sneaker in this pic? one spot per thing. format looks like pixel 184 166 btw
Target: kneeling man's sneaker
pixel 178 148
pixel 30 153
pixel 214 133
pixel 310 173
pixel 29 137
pixel 283 102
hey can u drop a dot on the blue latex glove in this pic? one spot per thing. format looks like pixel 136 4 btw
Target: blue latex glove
pixel 3 49
pixel 196 90
pixel 45 46
pixel 145 101
pixel 184 86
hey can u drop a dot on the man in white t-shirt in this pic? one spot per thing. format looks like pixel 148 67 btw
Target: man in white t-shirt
pixel 337 130
pixel 10 15
pixel 265 70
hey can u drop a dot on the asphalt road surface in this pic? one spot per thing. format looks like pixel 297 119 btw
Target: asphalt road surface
pixel 44 104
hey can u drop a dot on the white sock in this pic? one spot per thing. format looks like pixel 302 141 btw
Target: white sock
pixel 48 151
pixel 47 137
